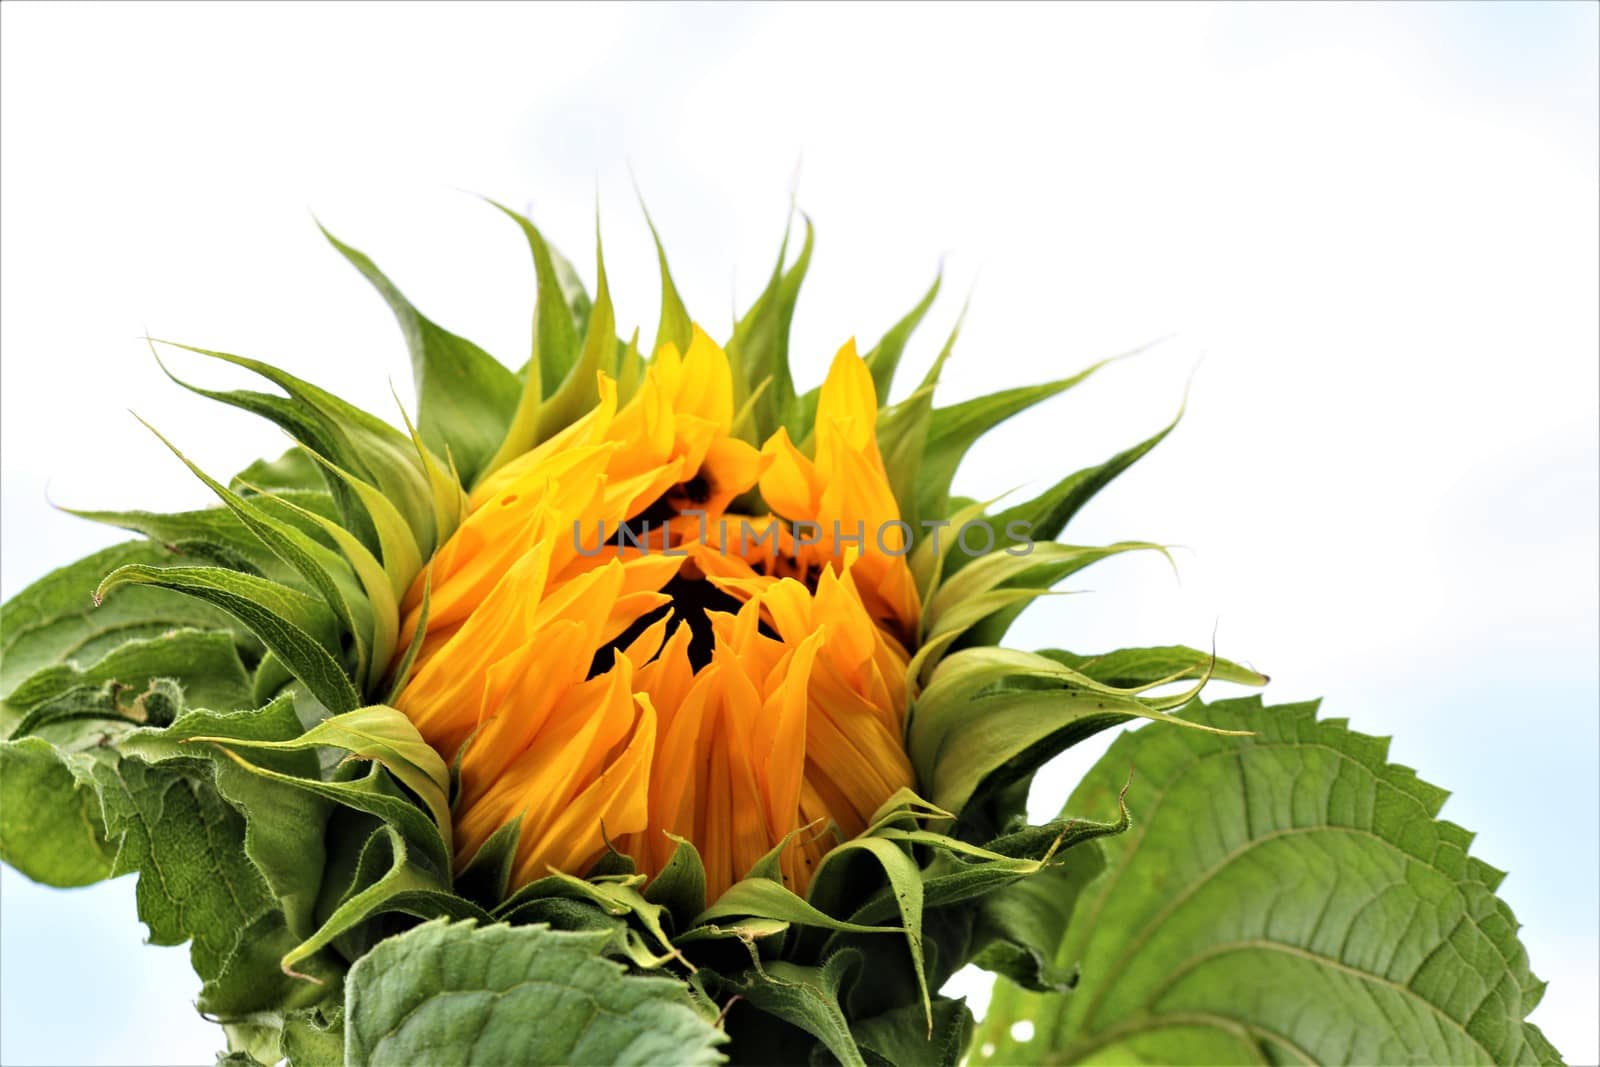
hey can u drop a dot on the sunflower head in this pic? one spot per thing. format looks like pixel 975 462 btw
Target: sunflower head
pixel 645 628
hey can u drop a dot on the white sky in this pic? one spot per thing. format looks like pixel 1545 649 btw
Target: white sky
pixel 1377 225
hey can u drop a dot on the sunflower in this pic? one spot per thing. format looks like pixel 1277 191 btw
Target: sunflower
pixel 667 698
pixel 657 646
pixel 604 669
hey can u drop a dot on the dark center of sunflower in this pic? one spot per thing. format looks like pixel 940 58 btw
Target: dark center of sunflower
pixel 692 598
pixel 692 601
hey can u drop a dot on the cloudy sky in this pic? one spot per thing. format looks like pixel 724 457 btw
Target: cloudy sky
pixel 1370 231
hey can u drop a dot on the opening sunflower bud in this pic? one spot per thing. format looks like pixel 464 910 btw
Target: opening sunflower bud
pixel 615 653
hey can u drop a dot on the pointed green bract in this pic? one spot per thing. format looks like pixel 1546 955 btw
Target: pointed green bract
pixel 357 441
pixel 884 358
pixel 555 333
pixel 556 339
pixel 579 392
pixel 384 736
pixel 806 997
pixel 294 626
pixel 953 430
pixel 675 326
pixel 759 348
pixel 1048 513
pixel 465 397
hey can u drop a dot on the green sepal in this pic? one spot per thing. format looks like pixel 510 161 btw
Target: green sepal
pixel 680 887
pixel 675 326
pixel 903 438
pixel 486 877
pixel 1017 926
pixel 217 526
pixel 578 392
pixel 355 440
pixel 882 361
pixel 556 336
pixel 465 397
pixel 971 732
pixel 759 348
pixel 293 471
pixel 953 430
pixel 1048 513
pixel 884 358
pixel 387 738
pixel 407 887
pixel 327 572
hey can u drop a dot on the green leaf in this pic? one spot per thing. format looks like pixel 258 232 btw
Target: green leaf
pixel 196 883
pixel 497 995
pixel 1287 897
pixel 55 619
pixel 205 662
pixel 283 825
pixel 805 997
pixel 901 1037
pixel 465 397
pixel 295 627
pixel 50 825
